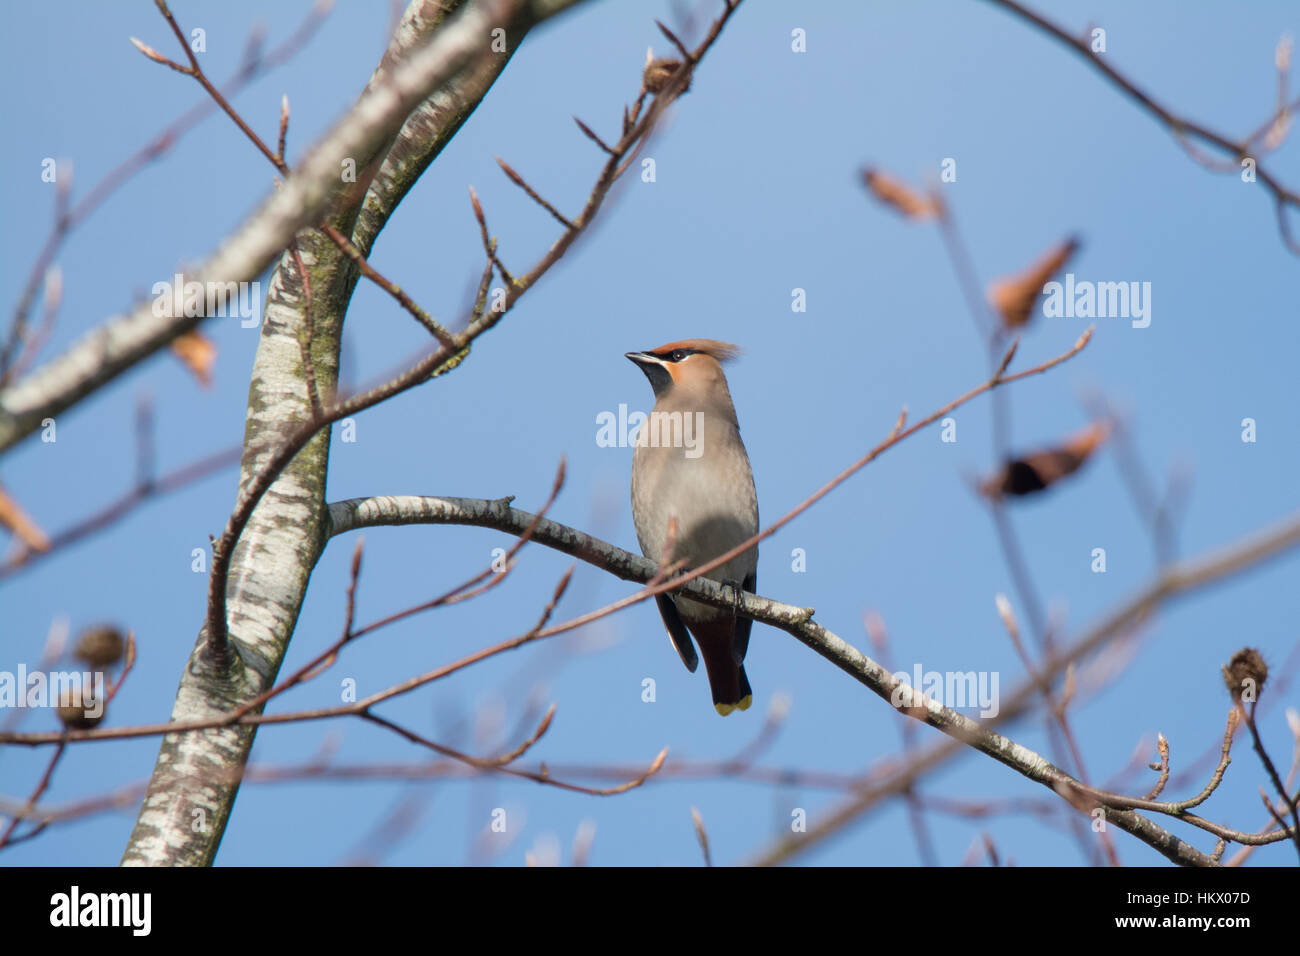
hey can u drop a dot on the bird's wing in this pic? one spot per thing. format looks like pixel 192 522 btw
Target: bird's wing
pixel 740 637
pixel 677 631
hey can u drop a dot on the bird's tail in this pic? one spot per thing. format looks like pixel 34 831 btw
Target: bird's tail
pixel 727 679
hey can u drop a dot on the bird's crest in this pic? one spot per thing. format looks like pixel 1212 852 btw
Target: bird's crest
pixel 722 351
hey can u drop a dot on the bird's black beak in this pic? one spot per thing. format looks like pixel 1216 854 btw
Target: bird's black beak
pixel 655 370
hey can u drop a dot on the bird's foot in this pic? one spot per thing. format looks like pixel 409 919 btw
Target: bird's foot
pixel 736 589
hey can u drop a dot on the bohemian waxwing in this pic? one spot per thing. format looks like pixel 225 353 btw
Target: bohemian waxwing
pixel 690 468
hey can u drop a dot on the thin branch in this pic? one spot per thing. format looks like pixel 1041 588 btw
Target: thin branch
pixel 393 289
pixel 41 786
pixel 300 201
pixel 65 222
pixel 1248 718
pixel 587 131
pixel 489 245
pixel 274 464
pixel 537 777
pixel 115 511
pixel 1178 125
pixel 533 194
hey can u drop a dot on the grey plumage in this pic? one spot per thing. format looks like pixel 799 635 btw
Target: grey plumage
pixel 690 470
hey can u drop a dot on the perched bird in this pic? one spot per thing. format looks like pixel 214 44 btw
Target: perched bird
pixel 693 493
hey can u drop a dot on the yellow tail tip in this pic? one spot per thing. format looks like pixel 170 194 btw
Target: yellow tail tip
pixel 742 704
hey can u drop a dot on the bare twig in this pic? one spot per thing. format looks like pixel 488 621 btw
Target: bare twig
pixel 1180 126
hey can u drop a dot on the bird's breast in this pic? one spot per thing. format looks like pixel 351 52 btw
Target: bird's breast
pixel 708 489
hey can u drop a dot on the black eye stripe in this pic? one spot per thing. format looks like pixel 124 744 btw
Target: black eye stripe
pixel 677 355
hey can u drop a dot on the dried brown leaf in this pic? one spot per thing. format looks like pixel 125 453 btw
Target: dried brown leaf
pixel 1015 296
pixel 13 517
pixel 198 352
pixel 896 193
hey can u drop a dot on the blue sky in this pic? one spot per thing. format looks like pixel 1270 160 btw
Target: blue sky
pixel 756 194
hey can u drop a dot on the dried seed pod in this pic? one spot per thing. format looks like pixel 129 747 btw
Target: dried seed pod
pixel 100 646
pixel 1245 675
pixel 79 709
pixel 658 72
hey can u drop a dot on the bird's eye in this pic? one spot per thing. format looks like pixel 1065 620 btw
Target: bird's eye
pixel 679 354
